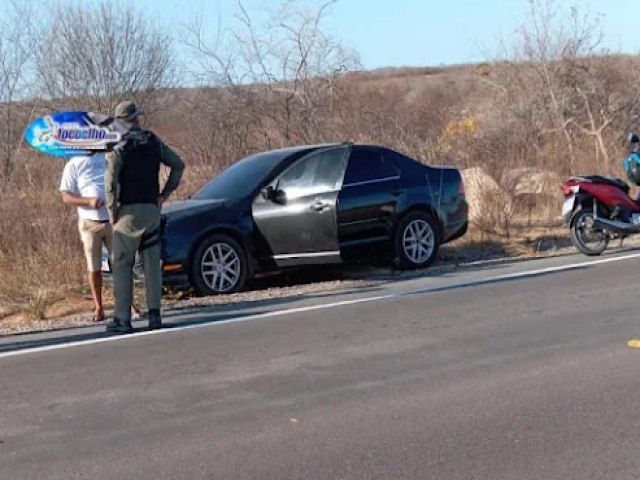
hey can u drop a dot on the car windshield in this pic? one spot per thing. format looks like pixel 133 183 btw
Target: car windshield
pixel 241 178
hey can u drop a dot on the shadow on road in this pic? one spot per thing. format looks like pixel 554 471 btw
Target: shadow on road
pixel 49 341
pixel 206 314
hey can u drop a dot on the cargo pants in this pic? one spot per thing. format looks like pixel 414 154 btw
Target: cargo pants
pixel 138 228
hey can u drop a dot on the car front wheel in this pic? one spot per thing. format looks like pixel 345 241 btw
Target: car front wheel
pixel 416 240
pixel 219 266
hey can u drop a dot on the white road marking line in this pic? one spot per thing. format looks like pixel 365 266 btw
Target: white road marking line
pixel 525 274
pixel 311 308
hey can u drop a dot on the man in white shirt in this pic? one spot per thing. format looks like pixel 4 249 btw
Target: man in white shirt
pixel 82 186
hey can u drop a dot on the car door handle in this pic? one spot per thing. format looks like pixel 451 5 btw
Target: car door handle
pixel 398 191
pixel 319 206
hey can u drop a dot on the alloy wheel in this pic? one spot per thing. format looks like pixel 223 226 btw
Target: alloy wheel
pixel 418 241
pixel 220 267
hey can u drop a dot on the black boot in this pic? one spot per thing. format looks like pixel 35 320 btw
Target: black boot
pixel 119 326
pixel 155 322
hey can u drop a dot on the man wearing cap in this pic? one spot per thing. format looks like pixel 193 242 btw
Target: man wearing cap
pixel 133 202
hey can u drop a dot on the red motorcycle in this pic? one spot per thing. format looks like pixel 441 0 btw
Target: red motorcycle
pixel 598 209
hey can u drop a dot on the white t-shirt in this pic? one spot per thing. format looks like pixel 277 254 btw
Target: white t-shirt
pixel 84 176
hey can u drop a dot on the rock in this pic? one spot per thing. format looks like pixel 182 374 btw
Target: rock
pixel 484 196
pixel 531 181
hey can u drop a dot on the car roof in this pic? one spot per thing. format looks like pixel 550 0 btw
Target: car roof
pixel 300 148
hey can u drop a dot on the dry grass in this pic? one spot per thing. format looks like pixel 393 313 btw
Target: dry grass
pixel 40 253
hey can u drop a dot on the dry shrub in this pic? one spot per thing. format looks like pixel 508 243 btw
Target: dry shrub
pixel 40 251
pixel 22 289
pixel 497 213
pixel 194 178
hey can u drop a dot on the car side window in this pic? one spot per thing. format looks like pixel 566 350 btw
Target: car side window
pixel 394 157
pixel 368 165
pixel 319 172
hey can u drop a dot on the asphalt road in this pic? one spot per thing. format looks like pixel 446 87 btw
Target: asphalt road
pixel 522 378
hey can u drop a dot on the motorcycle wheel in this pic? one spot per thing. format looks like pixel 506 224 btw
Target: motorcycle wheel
pixel 584 237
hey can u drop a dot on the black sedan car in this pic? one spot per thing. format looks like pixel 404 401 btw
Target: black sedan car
pixel 311 205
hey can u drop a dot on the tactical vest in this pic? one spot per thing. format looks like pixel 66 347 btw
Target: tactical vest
pixel 140 169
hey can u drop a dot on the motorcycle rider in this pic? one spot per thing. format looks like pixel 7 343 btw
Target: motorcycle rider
pixel 632 165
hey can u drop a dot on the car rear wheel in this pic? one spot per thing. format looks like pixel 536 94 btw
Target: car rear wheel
pixel 219 266
pixel 416 240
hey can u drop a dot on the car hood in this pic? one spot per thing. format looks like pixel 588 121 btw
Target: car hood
pixel 190 206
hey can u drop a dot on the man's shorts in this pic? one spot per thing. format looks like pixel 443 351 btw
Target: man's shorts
pixel 94 234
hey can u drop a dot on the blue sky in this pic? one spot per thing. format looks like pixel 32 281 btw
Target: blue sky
pixel 417 32
pixel 425 32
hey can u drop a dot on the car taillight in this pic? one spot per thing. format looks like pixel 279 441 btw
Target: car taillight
pixel 461 189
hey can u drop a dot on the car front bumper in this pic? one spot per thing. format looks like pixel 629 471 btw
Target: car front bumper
pixel 175 278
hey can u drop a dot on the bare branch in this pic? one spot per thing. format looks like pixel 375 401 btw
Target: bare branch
pixel 124 56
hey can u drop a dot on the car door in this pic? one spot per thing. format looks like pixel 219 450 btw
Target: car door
pixel 296 214
pixel 370 193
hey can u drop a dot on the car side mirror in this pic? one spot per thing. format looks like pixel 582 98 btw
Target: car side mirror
pixel 279 196
pixel 267 192
pixel 274 194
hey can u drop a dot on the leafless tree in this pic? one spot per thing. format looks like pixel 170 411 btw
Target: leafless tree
pixel 283 71
pixel 15 58
pixel 559 79
pixel 103 53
